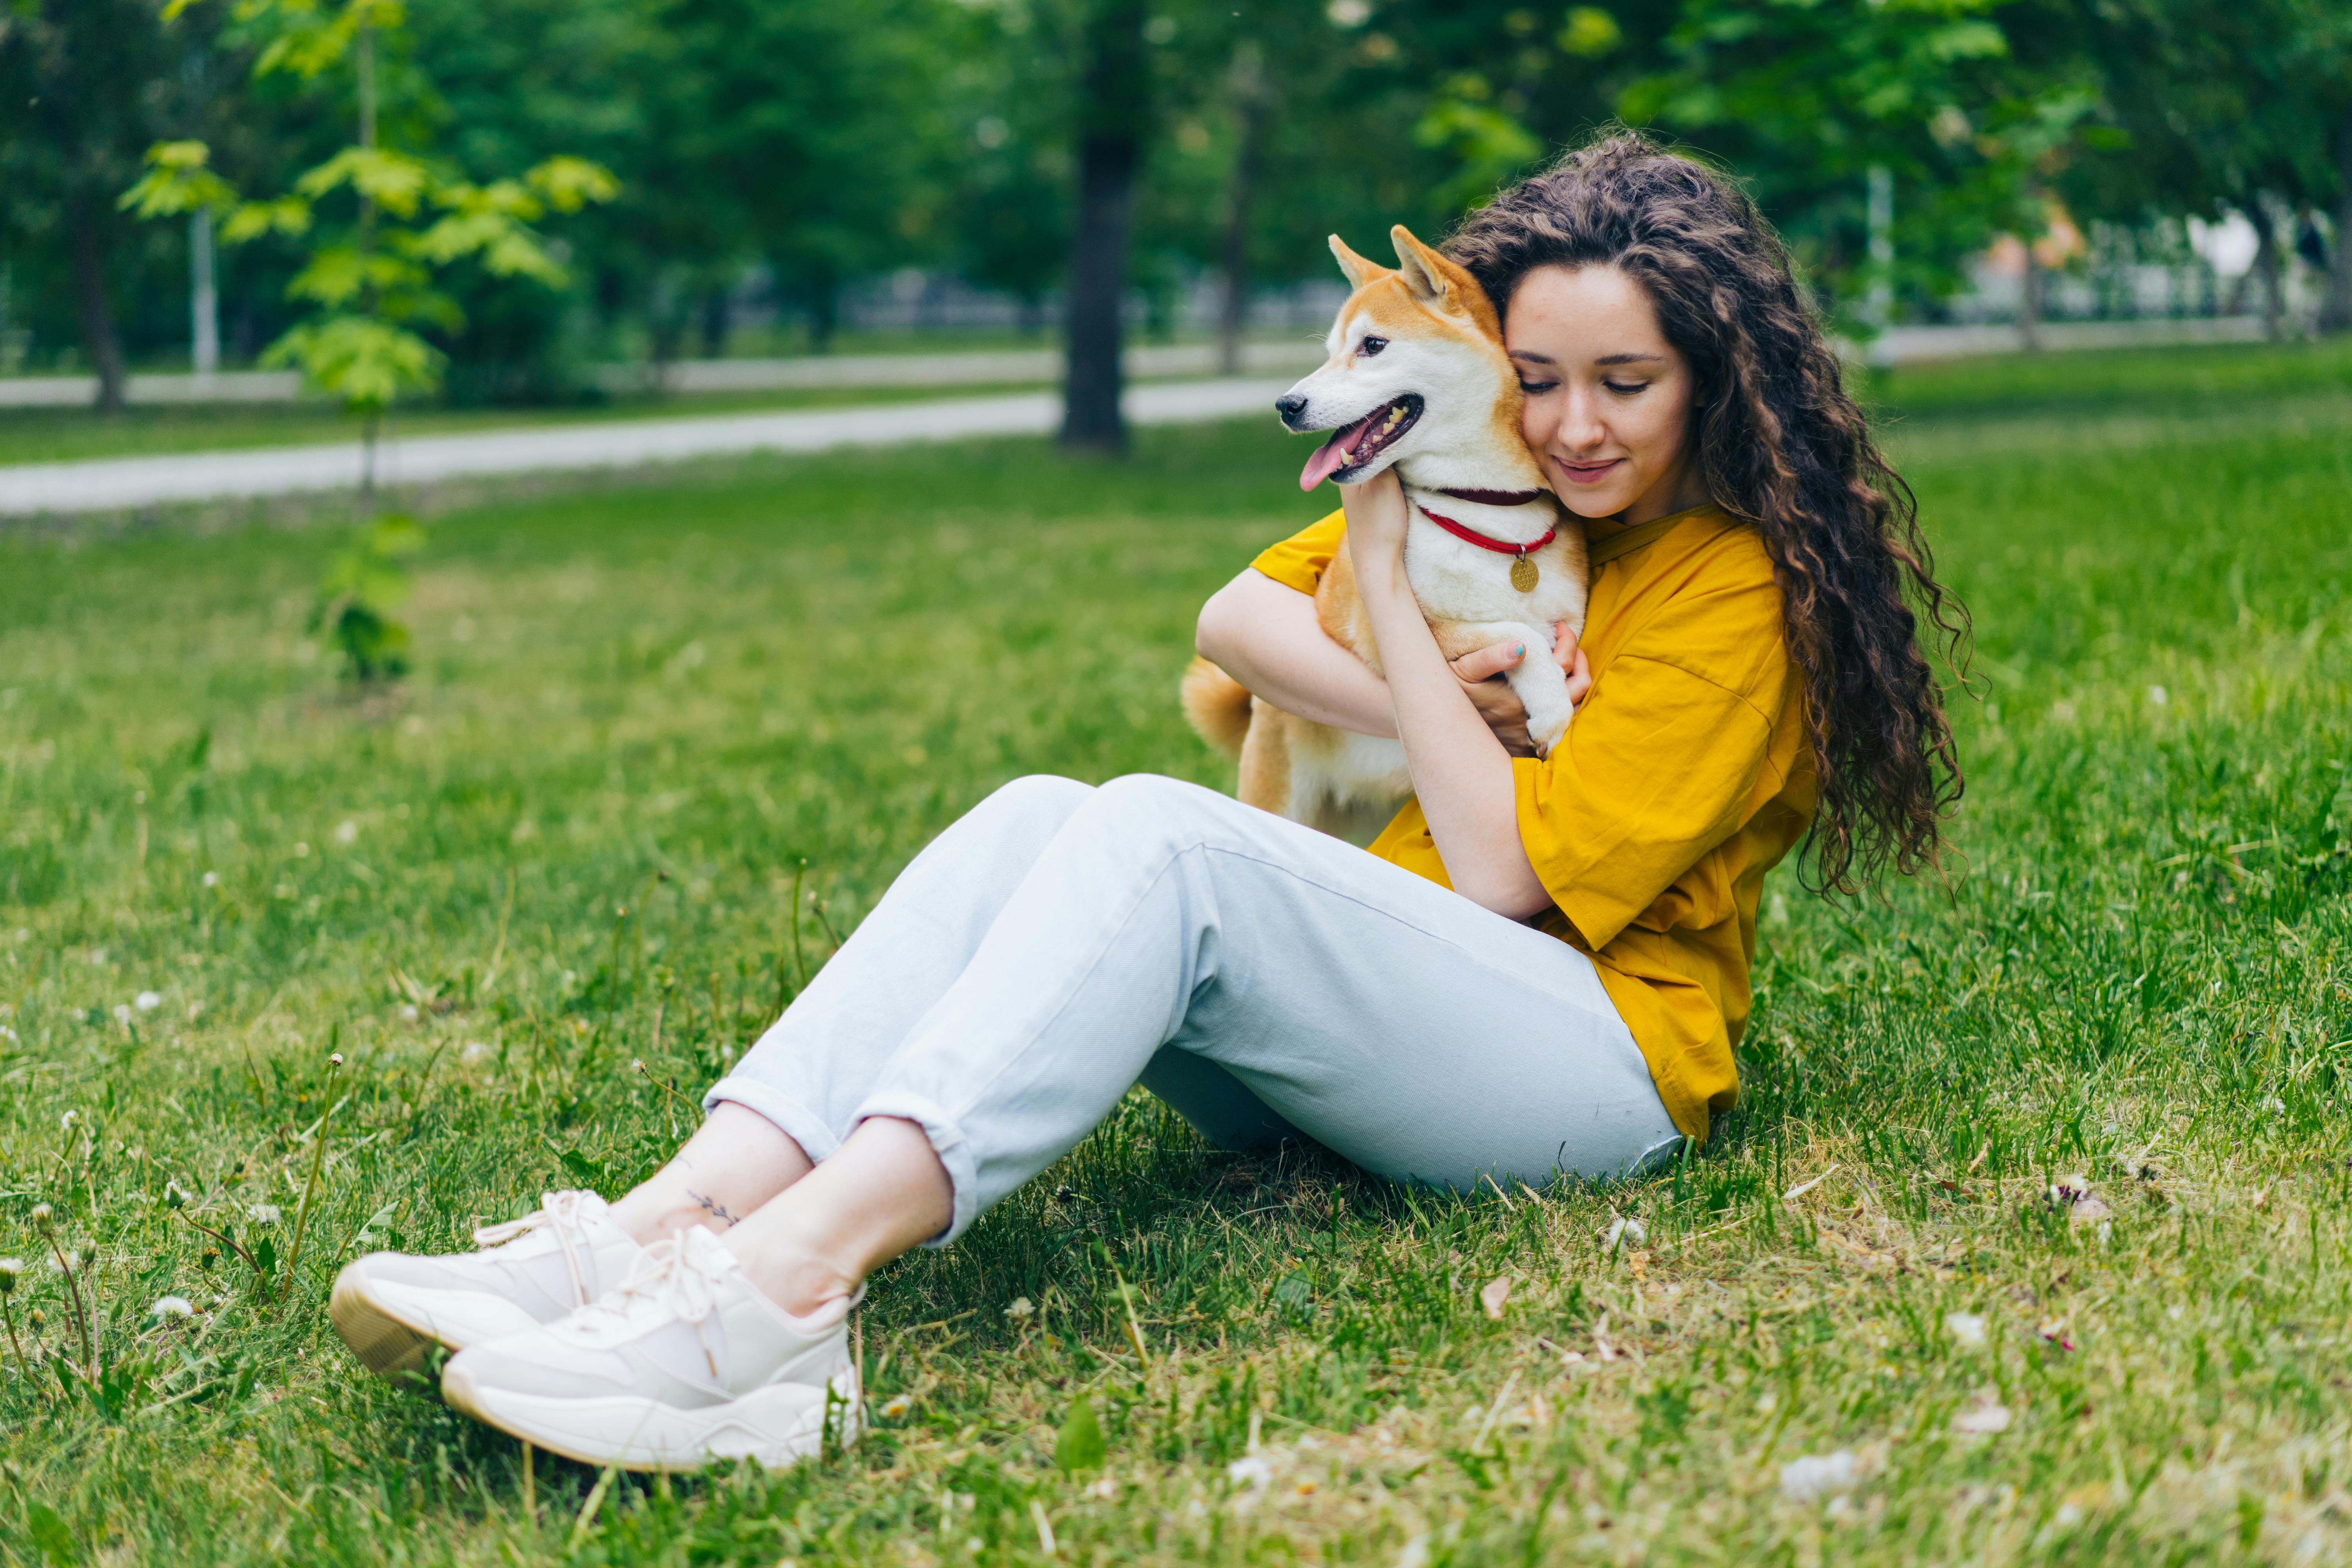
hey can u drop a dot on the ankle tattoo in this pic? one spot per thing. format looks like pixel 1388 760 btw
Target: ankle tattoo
pixel 714 1208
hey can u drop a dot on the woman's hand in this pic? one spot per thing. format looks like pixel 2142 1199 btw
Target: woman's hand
pixel 1495 701
pixel 1459 770
pixel 1377 514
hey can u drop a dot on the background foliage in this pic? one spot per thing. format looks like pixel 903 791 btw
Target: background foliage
pixel 827 144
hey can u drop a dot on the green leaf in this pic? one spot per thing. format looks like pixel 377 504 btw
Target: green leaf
pixel 1080 1445
pixel 49 1533
pixel 265 1257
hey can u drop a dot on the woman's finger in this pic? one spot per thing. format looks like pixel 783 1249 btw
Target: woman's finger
pixel 1580 677
pixel 1483 663
pixel 1563 647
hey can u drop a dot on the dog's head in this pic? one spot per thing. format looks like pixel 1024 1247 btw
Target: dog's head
pixel 1417 377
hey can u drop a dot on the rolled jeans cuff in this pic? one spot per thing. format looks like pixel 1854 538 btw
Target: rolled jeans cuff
pixel 947 1142
pixel 802 1125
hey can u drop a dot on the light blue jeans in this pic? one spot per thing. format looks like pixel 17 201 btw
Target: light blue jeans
pixel 1064 943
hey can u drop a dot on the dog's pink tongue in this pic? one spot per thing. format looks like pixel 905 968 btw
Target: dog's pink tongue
pixel 1332 455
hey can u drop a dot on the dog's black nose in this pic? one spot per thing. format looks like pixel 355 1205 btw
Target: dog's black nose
pixel 1291 406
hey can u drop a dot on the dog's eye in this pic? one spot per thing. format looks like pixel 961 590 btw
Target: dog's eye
pixel 1371 346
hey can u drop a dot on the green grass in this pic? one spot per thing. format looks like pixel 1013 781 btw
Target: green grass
pixel 662 698
pixel 65 435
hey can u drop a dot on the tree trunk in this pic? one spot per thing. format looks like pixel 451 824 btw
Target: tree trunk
pixel 2335 315
pixel 2029 304
pixel 88 240
pixel 1253 107
pixel 1113 115
pixel 2266 266
pixel 716 316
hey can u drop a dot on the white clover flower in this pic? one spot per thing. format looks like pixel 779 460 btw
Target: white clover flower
pixel 123 1013
pixel 148 1001
pixel 1981 1422
pixel 1022 1307
pixel 172 1307
pixel 1969 1328
pixel 1624 1232
pixel 408 1011
pixel 6 1033
pixel 265 1214
pixel 475 1051
pixel 211 878
pixel 1251 1470
pixel 346 832
pixel 1822 1475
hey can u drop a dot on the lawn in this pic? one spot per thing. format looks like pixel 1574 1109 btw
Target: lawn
pixel 69 435
pixel 643 714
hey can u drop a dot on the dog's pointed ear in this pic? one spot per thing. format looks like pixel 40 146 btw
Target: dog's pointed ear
pixel 1359 269
pixel 1426 273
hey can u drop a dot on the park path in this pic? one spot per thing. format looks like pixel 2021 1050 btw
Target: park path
pixel 116 484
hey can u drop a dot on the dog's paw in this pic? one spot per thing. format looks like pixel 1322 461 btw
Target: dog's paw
pixel 1548 732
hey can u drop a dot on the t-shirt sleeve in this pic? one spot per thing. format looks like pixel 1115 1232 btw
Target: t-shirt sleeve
pixel 1664 762
pixel 1298 562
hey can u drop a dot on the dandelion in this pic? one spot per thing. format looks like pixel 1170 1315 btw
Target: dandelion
pixel 44 1217
pixel 123 1013
pixel 347 832
pixel 2158 696
pixel 65 1122
pixel 334 1058
pixel 265 1214
pixel 8 1033
pixel 172 1307
pixel 148 1001
pixel 408 1011
pixel 211 878
pixel 175 1196
pixel 475 1051
pixel 1022 1307
pixel 11 1270
pixel 1819 1475
pixel 1969 1328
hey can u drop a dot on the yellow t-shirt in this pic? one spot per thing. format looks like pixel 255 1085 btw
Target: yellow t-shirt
pixel 1685 777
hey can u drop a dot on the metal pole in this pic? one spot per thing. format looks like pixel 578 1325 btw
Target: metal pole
pixel 1879 303
pixel 204 296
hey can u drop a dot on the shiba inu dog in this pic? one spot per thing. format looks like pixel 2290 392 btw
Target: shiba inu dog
pixel 1417 379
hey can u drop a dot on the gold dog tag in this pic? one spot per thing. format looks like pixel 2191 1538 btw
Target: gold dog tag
pixel 1524 575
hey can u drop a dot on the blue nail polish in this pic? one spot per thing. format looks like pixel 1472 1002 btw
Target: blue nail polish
pixel 1520 651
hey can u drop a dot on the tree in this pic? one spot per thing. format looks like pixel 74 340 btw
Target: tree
pixel 382 223
pixel 1113 121
pixel 85 86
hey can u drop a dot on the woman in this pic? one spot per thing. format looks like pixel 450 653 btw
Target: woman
pixel 1539 966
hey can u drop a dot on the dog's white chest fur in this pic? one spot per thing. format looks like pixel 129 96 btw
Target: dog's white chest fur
pixel 1458 581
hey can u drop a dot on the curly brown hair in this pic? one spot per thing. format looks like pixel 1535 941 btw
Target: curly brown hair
pixel 1783 446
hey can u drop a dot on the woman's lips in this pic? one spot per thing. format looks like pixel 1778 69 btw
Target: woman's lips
pixel 1590 474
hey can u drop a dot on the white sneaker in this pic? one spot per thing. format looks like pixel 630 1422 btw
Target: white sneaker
pixel 686 1363
pixel 391 1307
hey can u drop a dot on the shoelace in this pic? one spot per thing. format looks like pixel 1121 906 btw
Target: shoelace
pixel 559 1213
pixel 680 1274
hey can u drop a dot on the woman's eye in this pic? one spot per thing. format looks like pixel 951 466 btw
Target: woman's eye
pixel 1626 389
pixel 1534 386
pixel 1370 346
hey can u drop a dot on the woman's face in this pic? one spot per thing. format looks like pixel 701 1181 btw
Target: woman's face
pixel 1608 397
